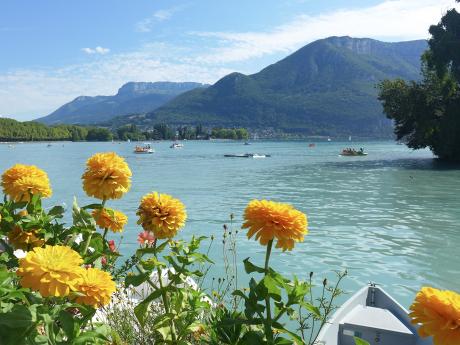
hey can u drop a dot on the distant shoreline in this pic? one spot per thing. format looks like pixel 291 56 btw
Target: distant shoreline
pixel 316 139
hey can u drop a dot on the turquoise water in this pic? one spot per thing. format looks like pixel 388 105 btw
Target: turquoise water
pixel 391 217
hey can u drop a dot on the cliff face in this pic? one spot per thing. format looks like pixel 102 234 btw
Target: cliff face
pixel 131 98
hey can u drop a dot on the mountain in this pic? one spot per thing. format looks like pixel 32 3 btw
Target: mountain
pixel 132 98
pixel 327 87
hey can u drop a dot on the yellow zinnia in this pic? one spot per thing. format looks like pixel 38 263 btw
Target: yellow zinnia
pixel 111 219
pixel 107 176
pixel 438 312
pixel 52 270
pixel 97 287
pixel 21 180
pixel 270 220
pixel 25 240
pixel 161 214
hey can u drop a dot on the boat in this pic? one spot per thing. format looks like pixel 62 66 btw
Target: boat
pixel 311 145
pixel 176 146
pixel 374 316
pixel 247 155
pixel 146 149
pixel 353 152
pixel 247 143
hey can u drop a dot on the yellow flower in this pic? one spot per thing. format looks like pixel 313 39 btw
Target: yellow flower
pixel 52 270
pixel 161 214
pixel 21 180
pixel 24 240
pixel 97 286
pixel 438 312
pixel 111 219
pixel 107 176
pixel 270 220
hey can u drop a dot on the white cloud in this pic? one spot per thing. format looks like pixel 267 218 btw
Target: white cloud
pixel 147 24
pixel 162 15
pixel 41 91
pixel 97 50
pixel 393 20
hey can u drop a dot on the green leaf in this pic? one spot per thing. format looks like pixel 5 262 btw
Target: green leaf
pixel 279 327
pixel 359 341
pixel 92 207
pixel 92 337
pixel 272 288
pixel 250 267
pixel 56 211
pixel 137 279
pixel 152 263
pixel 312 309
pixel 142 308
pixel 239 293
pixel 19 317
pixel 68 324
pixel 283 341
pixel 253 338
pixel 165 332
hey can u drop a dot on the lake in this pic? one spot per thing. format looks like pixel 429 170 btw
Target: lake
pixel 391 217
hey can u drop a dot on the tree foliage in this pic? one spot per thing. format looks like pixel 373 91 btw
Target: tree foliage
pixel 99 134
pixel 230 133
pixel 130 132
pixel 12 130
pixel 427 113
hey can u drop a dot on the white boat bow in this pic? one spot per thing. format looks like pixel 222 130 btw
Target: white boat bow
pixel 374 316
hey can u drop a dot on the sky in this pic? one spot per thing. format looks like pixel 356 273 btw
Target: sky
pixel 52 51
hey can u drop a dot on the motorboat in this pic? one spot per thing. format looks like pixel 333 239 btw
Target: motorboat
pixel 374 316
pixel 353 152
pixel 247 155
pixel 146 149
pixel 176 146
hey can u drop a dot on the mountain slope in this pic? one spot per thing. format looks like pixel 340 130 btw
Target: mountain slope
pixel 132 98
pixel 326 87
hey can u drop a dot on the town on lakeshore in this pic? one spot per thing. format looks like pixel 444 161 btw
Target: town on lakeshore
pixel 233 172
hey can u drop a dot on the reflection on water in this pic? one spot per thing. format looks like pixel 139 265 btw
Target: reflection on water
pixel 391 217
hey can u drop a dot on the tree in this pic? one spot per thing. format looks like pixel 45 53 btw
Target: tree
pixel 427 113
pixel 163 131
pixel 130 132
pixel 445 45
pixel 99 134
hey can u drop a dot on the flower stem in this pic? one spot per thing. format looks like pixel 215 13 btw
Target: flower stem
pixel 88 240
pixel 164 297
pixel 268 320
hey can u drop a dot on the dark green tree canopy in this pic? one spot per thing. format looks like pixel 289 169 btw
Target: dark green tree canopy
pixel 445 45
pixel 427 113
